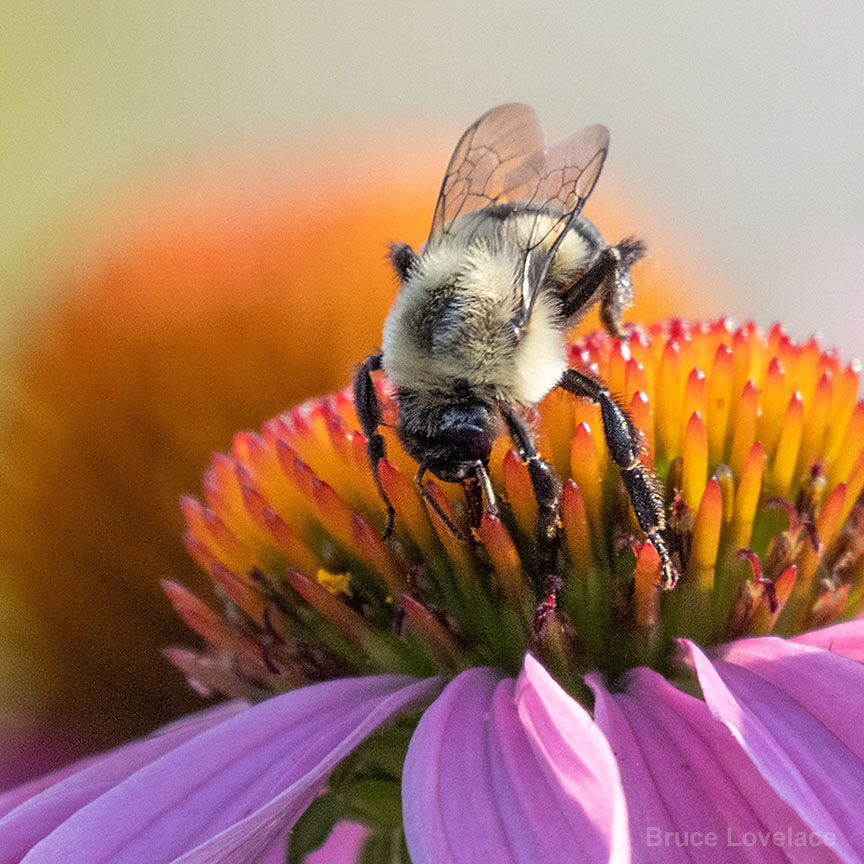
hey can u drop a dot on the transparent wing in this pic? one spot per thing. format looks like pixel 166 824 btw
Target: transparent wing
pixel 571 168
pixel 561 186
pixel 499 158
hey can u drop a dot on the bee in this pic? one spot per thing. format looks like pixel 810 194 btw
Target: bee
pixel 476 334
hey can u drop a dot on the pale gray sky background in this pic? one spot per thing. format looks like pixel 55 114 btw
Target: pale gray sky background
pixel 741 122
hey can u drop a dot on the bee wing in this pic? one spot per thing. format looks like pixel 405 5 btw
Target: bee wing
pixel 570 169
pixel 562 185
pixel 498 158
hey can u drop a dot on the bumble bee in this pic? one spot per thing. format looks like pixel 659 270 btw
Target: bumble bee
pixel 477 331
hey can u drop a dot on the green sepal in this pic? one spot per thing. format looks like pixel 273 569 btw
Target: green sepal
pixel 375 802
pixel 385 847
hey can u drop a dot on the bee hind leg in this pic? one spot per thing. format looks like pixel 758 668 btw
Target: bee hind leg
pixel 622 439
pixel 617 290
pixel 368 408
pixel 607 280
pixel 547 492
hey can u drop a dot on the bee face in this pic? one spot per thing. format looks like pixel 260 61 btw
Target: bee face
pixel 450 436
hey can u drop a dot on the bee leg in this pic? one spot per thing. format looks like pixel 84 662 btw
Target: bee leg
pixel 547 492
pixel 430 500
pixel 404 259
pixel 485 482
pixel 607 280
pixel 622 439
pixel 368 409
pixel 617 291
pixel 479 492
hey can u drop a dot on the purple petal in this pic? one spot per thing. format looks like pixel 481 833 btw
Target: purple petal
pixel 846 639
pixel 16 795
pixel 229 793
pixel 32 811
pixel 276 853
pixel 692 793
pixel 507 771
pixel 798 712
pixel 28 752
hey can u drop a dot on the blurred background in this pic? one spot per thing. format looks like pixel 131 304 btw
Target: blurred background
pixel 740 121
pixel 157 156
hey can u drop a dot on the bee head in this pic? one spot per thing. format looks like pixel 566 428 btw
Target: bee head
pixel 447 438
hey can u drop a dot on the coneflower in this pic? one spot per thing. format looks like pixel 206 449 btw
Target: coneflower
pixel 422 688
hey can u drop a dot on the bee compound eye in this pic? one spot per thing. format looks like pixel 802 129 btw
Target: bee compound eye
pixel 467 443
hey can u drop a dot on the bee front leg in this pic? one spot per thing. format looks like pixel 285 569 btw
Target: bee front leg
pixel 547 492
pixel 430 500
pixel 479 495
pixel 622 439
pixel 368 408
pixel 607 280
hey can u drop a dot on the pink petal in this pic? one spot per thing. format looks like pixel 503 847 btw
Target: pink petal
pixel 341 847
pixel 32 811
pixel 846 639
pixel 511 771
pixel 798 712
pixel 232 791
pixel 692 793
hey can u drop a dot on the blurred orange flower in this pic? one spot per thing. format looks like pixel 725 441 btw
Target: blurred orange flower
pixel 210 304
